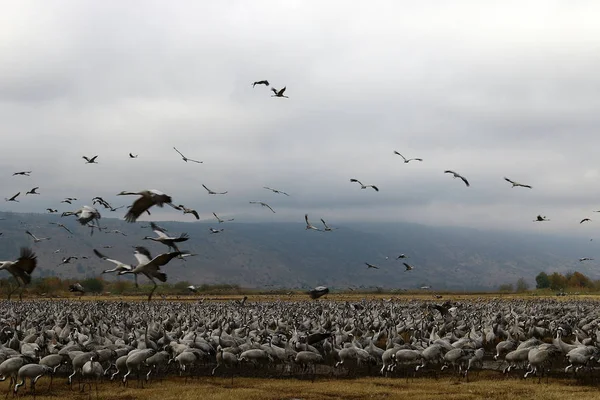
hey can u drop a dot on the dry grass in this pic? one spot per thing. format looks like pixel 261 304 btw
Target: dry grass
pixel 208 388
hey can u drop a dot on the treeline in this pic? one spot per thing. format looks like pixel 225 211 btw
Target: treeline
pixel 571 280
pixel 53 285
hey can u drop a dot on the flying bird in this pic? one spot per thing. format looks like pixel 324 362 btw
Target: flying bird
pixel 116 231
pixel 188 211
pixel 585 259
pixel 408 267
pixel 212 230
pixel 23 173
pixel 275 190
pixel 265 82
pixel 90 160
pixel 309 225
pixel 515 184
pixel 14 198
pixel 192 289
pixel 77 288
pixel 211 192
pixel 36 239
pixel 327 228
pixel 187 159
pixel 406 161
pixel 67 260
pixel 51 210
pixel 585 220
pixel 119 266
pixel 317 292
pixel 132 156
pixel 21 269
pixel 539 218
pixel 85 215
pixel 62 226
pixel 362 186
pixel 33 191
pixel 262 204
pixel 148 199
pixel 279 93
pixel 371 266
pixel 223 220
pixel 150 267
pixel 166 239
pixel 456 175
pixel 401 256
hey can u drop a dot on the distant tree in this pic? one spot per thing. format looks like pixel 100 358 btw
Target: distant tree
pixel 522 285
pixel 506 288
pixel 579 280
pixel 557 281
pixel 93 285
pixel 542 281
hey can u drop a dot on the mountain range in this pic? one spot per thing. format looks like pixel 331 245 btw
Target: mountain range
pixel 286 255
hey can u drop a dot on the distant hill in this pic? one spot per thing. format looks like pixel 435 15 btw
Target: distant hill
pixel 286 255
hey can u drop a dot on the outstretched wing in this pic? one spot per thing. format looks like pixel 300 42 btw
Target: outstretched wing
pixel 27 261
pixel 282 91
pixel 375 187
pixel 395 152
pixel 102 256
pixel 508 180
pixel 179 152
pixel 158 230
pixel 464 180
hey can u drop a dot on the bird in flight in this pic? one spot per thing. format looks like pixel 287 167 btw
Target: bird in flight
pixel 32 191
pixel 36 239
pixel 309 225
pixel 265 82
pixel 279 93
pixel 20 269
pixel 371 266
pixel 262 204
pixel 362 186
pixel 14 198
pixel 408 267
pixel 148 199
pixel 539 218
pixel 187 159
pixel 186 210
pixel 62 226
pixel 515 184
pixel 401 256
pixel 90 160
pixel 213 230
pixel 585 220
pixel 585 259
pixel 327 228
pixel 67 260
pixel 51 210
pixel 275 190
pixel 406 161
pixel 133 156
pixel 23 173
pixel 222 220
pixel 456 175
pixel 211 192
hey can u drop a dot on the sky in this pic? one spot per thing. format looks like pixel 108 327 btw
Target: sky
pixel 487 89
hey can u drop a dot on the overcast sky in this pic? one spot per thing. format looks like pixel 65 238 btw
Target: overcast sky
pixel 487 89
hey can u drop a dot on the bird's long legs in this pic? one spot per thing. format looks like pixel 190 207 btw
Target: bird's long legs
pixel 12 290
pixel 152 291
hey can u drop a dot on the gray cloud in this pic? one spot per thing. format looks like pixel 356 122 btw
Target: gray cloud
pixel 487 90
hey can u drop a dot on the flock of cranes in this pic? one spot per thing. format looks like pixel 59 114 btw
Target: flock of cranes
pixel 115 342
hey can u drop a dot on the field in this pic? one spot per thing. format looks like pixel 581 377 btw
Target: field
pixel 484 386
